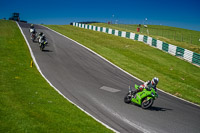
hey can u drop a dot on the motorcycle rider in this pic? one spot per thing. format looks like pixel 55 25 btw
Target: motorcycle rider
pixel 41 38
pixel 147 85
pixel 33 32
pixel 32 29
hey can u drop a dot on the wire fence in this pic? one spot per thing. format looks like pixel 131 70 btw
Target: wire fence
pixel 176 34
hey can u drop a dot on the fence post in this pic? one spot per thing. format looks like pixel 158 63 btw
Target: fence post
pixel 181 37
pixel 174 35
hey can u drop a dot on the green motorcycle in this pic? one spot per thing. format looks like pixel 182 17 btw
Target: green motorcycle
pixel 145 98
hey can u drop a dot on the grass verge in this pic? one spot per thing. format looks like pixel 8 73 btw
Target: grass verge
pixel 176 76
pixel 27 102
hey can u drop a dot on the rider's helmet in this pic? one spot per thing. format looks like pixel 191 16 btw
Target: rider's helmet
pixel 32 26
pixel 155 81
pixel 41 33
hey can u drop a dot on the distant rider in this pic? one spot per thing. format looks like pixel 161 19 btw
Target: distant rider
pixel 32 29
pixel 41 38
pixel 41 34
pixel 148 85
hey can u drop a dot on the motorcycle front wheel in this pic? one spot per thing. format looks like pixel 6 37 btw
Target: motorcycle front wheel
pixel 41 47
pixel 127 99
pixel 147 103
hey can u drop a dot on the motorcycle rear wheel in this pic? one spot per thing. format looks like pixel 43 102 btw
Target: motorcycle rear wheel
pixel 127 99
pixel 147 103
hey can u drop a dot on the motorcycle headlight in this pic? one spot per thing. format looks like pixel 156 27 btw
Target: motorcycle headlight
pixel 152 94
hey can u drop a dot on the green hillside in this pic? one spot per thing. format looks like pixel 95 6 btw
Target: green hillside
pixel 27 102
pixel 184 38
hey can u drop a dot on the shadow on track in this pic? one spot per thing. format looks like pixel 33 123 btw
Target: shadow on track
pixel 46 50
pixel 159 109
pixel 153 108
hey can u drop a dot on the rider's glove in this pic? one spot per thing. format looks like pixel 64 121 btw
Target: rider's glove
pixel 147 88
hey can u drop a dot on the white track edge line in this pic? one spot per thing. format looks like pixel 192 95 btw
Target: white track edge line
pixel 118 67
pixel 33 57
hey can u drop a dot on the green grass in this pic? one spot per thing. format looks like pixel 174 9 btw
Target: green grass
pixel 176 76
pixel 27 102
pixel 184 38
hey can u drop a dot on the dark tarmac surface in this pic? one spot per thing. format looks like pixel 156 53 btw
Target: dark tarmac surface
pixel 99 88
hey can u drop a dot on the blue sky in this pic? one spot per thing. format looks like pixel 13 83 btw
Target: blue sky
pixel 176 13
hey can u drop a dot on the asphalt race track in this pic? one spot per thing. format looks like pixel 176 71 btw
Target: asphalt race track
pixel 99 88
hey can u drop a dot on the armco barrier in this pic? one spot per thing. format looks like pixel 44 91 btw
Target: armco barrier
pixel 169 48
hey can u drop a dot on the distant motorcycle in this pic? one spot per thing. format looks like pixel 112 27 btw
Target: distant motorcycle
pixel 145 98
pixel 42 41
pixel 33 34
